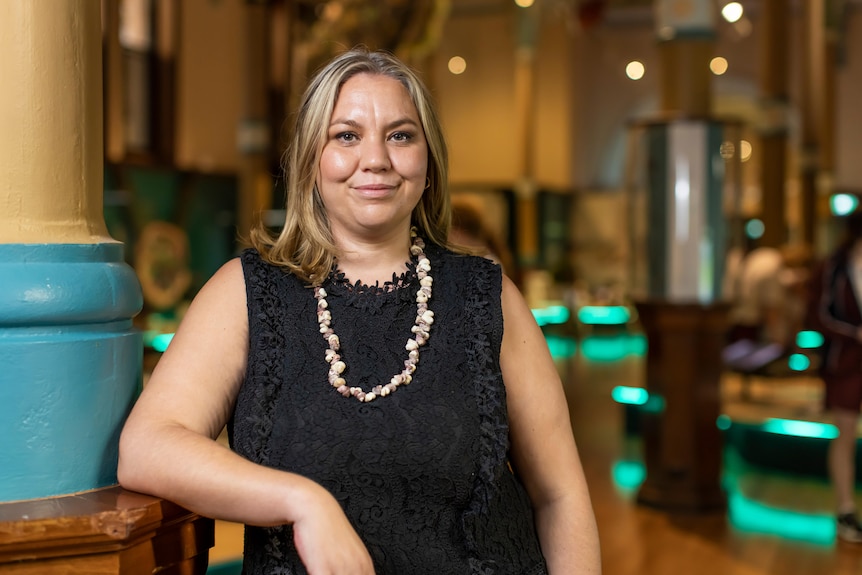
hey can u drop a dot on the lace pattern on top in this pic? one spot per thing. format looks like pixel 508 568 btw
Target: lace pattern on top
pixel 495 525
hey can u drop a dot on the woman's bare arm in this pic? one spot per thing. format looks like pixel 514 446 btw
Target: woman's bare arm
pixel 168 446
pixel 543 447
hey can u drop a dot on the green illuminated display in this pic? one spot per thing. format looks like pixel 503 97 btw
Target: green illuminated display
pixel 798 362
pixel 604 315
pixel 800 428
pixel 809 339
pixel 613 348
pixel 553 314
pixel 751 516
pixel 630 395
pixel 843 204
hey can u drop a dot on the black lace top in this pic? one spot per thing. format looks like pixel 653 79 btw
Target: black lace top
pixel 422 474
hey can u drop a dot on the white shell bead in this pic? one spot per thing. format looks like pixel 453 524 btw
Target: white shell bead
pixel 421 329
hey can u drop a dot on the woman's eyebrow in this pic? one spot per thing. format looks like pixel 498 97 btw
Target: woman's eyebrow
pixel 389 126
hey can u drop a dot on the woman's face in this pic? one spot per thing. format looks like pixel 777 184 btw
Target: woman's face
pixel 375 159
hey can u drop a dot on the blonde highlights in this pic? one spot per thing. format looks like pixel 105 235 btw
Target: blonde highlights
pixel 305 245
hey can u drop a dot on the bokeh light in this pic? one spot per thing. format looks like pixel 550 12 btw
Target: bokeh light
pixel 635 70
pixel 732 11
pixel 718 65
pixel 457 64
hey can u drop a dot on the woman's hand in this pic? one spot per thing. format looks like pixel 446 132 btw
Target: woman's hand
pixel 325 540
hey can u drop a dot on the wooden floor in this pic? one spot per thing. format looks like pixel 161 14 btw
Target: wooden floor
pixel 638 540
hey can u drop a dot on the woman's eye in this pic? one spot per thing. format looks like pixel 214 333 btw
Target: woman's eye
pixel 402 136
pixel 346 137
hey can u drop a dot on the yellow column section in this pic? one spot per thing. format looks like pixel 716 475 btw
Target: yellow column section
pixel 255 141
pixel 51 114
pixel 525 188
pixel 774 119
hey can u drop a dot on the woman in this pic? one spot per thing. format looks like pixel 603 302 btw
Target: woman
pixel 835 309
pixel 349 454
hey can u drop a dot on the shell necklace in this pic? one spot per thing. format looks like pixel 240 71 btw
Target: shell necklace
pixel 421 332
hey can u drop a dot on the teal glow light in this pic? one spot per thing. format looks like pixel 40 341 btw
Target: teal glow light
pixel 148 336
pixel 800 428
pixel 654 404
pixel 723 422
pixel 561 347
pixel 604 315
pixel 628 475
pixel 553 314
pixel 809 339
pixel 753 517
pixel 754 228
pixel 843 204
pixel 613 348
pixel 161 341
pixel 630 395
pixel 798 362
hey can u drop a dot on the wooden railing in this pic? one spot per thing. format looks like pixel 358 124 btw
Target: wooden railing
pixel 103 532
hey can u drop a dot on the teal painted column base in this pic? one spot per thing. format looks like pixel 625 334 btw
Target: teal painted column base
pixel 70 366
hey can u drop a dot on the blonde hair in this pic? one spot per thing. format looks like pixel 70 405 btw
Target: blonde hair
pixel 305 245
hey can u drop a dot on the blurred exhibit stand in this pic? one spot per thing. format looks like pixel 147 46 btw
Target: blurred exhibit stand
pixel 680 178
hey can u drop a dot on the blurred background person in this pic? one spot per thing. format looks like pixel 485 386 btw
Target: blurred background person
pixel 834 310
pixel 471 230
pixel 758 297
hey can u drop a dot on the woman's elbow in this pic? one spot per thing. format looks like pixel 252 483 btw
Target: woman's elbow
pixel 129 464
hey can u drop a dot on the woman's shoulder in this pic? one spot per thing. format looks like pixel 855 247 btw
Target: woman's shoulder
pixel 256 264
pixel 465 261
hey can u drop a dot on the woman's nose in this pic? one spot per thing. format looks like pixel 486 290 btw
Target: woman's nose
pixel 375 155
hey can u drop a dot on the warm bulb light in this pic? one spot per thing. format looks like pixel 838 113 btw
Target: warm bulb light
pixel 718 65
pixel 524 3
pixel 744 150
pixel 635 70
pixel 732 11
pixel 457 64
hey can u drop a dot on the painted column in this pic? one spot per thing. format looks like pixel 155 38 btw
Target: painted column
pixel 253 134
pixel 526 210
pixel 774 118
pixel 810 106
pixel 70 360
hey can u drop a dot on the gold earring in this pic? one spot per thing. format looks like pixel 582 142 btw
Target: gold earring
pixel 427 183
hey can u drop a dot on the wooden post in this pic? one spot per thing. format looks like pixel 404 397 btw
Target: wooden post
pixel 254 138
pixel 773 126
pixel 683 320
pixel 682 443
pixel 526 210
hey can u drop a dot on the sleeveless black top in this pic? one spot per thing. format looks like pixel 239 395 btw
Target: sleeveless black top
pixel 422 474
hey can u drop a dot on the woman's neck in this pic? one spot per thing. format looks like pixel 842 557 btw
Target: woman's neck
pixel 374 262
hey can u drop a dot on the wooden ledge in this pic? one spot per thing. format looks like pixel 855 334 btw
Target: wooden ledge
pixel 106 531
